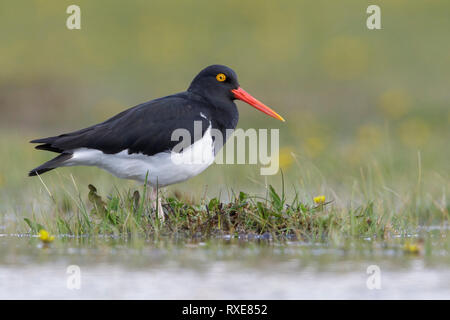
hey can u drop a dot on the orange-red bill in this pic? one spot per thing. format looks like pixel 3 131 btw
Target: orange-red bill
pixel 243 95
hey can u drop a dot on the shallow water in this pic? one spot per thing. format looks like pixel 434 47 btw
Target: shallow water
pixel 113 268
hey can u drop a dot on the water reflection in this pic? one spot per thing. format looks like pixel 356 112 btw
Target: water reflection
pixel 166 268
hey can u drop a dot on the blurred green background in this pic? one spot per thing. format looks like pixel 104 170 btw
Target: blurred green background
pixel 367 110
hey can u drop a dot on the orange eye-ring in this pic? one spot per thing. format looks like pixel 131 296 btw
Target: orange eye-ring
pixel 221 77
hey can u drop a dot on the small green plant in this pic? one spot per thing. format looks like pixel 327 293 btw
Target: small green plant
pixel 131 214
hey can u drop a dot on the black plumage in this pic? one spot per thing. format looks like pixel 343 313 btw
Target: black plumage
pixel 147 128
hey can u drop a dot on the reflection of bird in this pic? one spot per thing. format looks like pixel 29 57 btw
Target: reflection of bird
pixel 137 143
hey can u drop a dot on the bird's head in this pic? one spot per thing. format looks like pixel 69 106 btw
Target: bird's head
pixel 219 83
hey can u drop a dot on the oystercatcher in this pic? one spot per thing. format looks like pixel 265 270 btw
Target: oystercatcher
pixel 137 143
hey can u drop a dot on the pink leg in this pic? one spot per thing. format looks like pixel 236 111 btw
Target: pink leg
pixel 156 204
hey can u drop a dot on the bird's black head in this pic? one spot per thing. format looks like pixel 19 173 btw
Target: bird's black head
pixel 219 85
pixel 215 82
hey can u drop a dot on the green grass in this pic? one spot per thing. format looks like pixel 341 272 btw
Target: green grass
pixel 131 213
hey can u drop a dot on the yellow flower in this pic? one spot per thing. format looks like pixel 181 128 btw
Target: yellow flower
pixel 286 158
pixel 314 146
pixel 394 103
pixel 413 248
pixel 45 236
pixel 319 199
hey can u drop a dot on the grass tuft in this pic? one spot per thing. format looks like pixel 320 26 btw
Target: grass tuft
pixel 132 214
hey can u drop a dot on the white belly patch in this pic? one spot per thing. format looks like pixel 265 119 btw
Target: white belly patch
pixel 163 168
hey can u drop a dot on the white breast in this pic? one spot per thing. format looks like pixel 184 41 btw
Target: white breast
pixel 163 168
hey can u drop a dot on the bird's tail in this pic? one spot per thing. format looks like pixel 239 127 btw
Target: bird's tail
pixel 50 165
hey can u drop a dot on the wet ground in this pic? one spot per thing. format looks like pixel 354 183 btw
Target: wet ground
pixel 223 268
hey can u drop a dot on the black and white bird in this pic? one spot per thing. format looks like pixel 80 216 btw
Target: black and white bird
pixel 138 143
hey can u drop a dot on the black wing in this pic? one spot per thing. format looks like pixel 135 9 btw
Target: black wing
pixel 146 128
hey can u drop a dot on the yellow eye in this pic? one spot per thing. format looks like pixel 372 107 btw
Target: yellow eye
pixel 221 77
